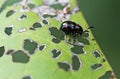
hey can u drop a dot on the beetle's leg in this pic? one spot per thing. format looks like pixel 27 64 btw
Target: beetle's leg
pixel 74 38
pixel 69 38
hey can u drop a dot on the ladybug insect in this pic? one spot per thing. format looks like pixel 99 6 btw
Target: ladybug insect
pixel 71 29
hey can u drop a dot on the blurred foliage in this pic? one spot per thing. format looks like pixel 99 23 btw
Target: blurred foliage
pixel 104 15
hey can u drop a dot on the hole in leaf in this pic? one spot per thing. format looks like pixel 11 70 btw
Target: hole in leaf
pixel 20 57
pixel 103 60
pixel 76 64
pixel 8 30
pixel 31 28
pixel 45 22
pixel 77 50
pixel 10 51
pixel 93 39
pixel 48 15
pixel 27 77
pixel 23 16
pixel 107 75
pixel 55 40
pixel 30 46
pixel 85 35
pixel 37 25
pixel 2 50
pixel 96 66
pixel 63 65
pixel 83 40
pixel 96 53
pixel 42 47
pixel 57 6
pixel 9 13
pixel 22 30
pixel 55 53
pixel 58 34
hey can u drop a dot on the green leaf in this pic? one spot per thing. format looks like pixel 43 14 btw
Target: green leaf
pixel 2 50
pixel 28 51
pixel 20 57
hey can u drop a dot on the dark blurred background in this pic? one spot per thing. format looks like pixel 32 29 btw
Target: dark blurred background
pixel 104 15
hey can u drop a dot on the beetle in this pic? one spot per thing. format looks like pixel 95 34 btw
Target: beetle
pixel 72 29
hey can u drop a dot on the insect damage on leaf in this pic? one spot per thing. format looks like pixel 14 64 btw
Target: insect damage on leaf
pixel 76 62
pixel 96 53
pixel 77 50
pixel 108 75
pixel 9 13
pixel 10 51
pixel 85 41
pixel 55 40
pixel 27 77
pixel 8 30
pixel 96 66
pixel 45 21
pixel 63 65
pixel 36 25
pixel 48 16
pixel 56 53
pixel 30 46
pixel 23 16
pixel 20 57
pixel 56 33
pixel 85 35
pixel 2 50
pixel 42 47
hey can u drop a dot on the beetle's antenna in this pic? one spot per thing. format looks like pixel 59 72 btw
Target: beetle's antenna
pixel 90 27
